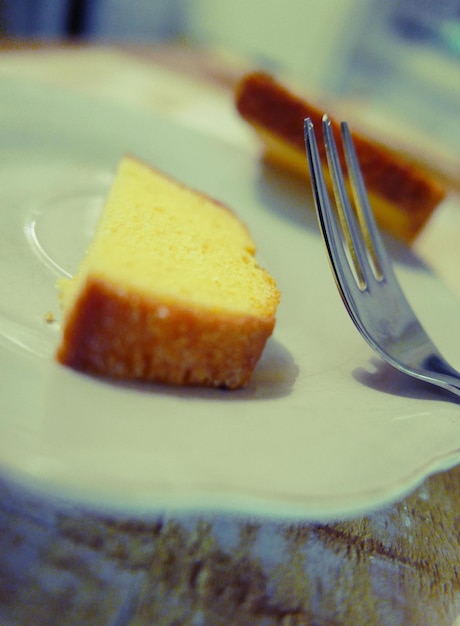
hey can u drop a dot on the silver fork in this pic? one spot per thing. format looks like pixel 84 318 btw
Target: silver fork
pixel 363 270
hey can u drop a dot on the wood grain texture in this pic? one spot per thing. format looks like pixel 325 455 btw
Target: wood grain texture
pixel 62 564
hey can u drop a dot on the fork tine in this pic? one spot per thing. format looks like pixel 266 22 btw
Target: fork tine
pixel 328 224
pixel 347 216
pixel 364 211
pixel 379 309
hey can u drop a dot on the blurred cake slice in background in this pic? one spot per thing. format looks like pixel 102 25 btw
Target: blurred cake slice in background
pixel 403 194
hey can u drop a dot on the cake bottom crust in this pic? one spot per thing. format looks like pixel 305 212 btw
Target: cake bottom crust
pixel 120 335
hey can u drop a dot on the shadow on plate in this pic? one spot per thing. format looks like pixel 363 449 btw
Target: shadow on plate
pixel 384 378
pixel 287 194
pixel 401 254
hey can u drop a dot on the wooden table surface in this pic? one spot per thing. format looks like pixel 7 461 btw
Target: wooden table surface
pixel 61 565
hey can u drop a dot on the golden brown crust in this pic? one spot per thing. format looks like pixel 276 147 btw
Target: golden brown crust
pixel 127 336
pixel 277 115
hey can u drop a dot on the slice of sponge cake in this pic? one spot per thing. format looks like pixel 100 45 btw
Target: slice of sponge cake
pixel 169 290
pixel 403 195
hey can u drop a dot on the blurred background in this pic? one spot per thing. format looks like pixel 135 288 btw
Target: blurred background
pixel 403 55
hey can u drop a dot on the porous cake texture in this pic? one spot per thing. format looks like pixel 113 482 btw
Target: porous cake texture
pixel 169 290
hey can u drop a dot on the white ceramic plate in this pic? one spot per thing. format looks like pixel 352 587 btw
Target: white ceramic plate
pixel 324 430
